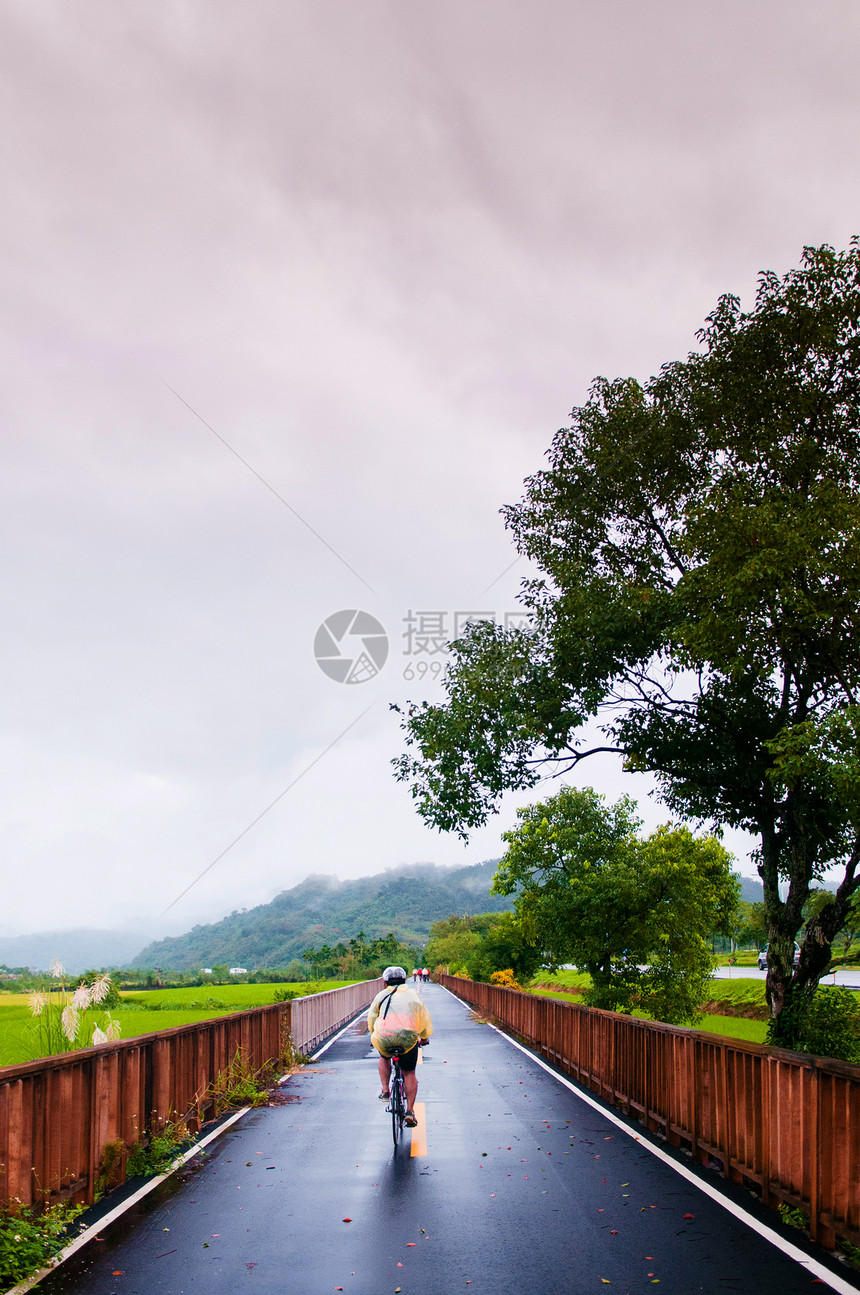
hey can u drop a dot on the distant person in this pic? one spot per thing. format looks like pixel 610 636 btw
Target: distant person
pixel 425 974
pixel 398 1019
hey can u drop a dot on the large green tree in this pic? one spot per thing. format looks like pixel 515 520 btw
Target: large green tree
pixel 635 914
pixel 697 539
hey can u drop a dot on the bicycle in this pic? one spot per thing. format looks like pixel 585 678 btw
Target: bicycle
pixel 396 1098
pixel 397 1094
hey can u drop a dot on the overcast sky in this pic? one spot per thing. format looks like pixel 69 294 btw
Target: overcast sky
pixel 294 297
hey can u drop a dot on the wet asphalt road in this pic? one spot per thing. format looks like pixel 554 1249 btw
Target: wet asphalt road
pixel 523 1188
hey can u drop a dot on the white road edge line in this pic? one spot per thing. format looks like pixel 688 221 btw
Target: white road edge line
pixel 792 1251
pixel 114 1214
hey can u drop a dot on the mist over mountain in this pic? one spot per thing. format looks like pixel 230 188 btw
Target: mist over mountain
pixel 80 949
pixel 323 910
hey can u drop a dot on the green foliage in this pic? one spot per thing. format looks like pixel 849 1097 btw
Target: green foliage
pixel 482 943
pixel 697 540
pixel 455 939
pixel 793 1217
pixel 851 1252
pixel 155 1154
pixel 827 1023
pixel 240 1084
pixel 635 914
pixel 30 1241
pixel 362 958
pixel 109 1166
pixel 509 944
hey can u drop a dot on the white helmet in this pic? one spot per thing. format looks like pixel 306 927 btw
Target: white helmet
pixel 395 974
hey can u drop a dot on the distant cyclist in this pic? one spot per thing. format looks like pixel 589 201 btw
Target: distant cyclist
pixel 398 1019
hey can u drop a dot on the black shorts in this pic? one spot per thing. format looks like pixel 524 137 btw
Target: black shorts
pixel 408 1060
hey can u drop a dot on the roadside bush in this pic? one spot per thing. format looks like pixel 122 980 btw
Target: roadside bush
pixel 155 1154
pixel 297 991
pixel 506 979
pixel 30 1241
pixel 831 1027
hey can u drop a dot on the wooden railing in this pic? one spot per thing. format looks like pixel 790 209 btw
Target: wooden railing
pixel 317 1017
pixel 787 1122
pixel 58 1114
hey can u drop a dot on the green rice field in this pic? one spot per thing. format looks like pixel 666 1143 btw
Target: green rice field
pixel 740 994
pixel 145 1011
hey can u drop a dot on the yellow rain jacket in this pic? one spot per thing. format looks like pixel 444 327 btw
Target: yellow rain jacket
pixel 397 1018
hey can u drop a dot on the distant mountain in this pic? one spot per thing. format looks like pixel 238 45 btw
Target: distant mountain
pixel 323 910
pixel 78 950
pixel 751 890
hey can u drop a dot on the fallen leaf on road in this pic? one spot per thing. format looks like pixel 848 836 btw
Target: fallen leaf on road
pixel 613 1232
pixel 117 1272
pixel 689 1216
pixel 347 1220
pixel 409 1243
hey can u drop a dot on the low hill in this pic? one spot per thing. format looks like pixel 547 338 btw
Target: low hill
pixel 78 950
pixel 323 910
pixel 751 890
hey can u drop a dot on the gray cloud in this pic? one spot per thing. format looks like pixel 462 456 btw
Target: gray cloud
pixel 381 249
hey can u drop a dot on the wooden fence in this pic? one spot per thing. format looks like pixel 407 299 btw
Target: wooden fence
pixel 58 1114
pixel 786 1122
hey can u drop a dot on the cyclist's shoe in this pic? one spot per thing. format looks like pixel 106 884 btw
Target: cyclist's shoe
pixel 410 1120
pixel 383 1097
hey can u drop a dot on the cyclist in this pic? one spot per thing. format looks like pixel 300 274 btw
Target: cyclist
pixel 398 1019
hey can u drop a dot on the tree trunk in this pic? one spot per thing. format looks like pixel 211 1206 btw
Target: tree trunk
pixel 784 995
pixel 789 988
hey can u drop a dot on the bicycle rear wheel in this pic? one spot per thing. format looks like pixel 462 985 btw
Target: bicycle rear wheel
pixel 398 1108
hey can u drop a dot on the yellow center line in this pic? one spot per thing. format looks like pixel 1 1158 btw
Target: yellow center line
pixel 419 1134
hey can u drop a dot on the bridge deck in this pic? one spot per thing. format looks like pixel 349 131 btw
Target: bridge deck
pixel 512 1183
